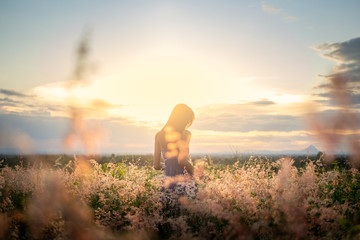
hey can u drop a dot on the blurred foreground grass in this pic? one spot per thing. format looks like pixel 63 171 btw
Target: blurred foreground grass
pixel 112 197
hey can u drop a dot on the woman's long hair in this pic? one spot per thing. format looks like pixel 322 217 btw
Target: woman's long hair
pixel 180 118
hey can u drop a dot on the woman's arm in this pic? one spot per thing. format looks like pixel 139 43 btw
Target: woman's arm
pixel 157 153
pixel 183 157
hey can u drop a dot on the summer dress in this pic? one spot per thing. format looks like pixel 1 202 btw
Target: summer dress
pixel 187 186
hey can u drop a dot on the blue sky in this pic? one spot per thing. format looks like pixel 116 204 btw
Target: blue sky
pixel 248 68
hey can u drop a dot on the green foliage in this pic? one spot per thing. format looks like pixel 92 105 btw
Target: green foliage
pixel 19 199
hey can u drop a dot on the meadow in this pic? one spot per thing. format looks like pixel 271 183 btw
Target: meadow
pixel 123 197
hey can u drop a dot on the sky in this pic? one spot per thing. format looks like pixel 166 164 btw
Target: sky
pixel 258 74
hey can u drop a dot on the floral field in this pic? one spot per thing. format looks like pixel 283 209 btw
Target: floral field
pixel 256 199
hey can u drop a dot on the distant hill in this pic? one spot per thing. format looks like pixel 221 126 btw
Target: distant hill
pixel 312 151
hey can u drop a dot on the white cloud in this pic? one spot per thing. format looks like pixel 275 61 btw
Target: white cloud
pixel 278 11
pixel 270 9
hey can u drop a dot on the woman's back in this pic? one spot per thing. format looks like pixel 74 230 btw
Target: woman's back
pixel 173 140
pixel 171 144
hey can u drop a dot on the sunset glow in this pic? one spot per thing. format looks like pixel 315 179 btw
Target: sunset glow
pixel 252 71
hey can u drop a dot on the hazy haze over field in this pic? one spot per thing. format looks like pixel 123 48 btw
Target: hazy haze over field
pixel 252 70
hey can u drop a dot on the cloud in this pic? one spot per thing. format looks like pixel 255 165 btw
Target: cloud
pixel 345 52
pixel 245 118
pixel 264 102
pixel 34 105
pixel 249 126
pixel 330 114
pixel 347 56
pixel 102 104
pixel 208 141
pixel 354 98
pixel 270 9
pixel 26 106
pixel 340 93
pixel 8 102
pixel 9 92
pixel 252 123
pixel 277 11
pixel 23 104
pixel 321 86
pixel 46 133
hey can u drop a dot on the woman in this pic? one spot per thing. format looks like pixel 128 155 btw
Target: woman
pixel 172 142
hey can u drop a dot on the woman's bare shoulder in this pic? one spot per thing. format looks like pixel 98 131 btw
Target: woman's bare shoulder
pixel 186 134
pixel 159 134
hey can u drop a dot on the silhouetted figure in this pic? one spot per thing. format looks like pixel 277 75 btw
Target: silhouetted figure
pixel 172 143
